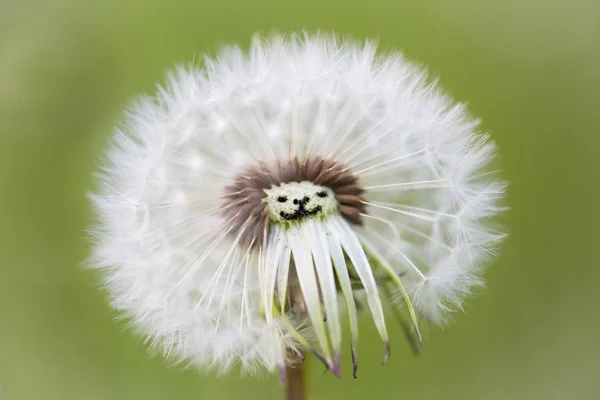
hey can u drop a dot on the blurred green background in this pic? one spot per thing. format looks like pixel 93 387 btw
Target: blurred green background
pixel 529 69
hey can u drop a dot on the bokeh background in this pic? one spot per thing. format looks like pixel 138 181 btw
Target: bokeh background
pixel 529 68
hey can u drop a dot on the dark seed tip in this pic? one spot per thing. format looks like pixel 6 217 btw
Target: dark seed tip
pixel 387 354
pixel 336 371
pixel 282 374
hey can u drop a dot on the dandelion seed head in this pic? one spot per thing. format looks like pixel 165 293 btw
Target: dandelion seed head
pixel 239 205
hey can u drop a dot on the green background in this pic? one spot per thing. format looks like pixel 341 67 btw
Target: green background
pixel 529 69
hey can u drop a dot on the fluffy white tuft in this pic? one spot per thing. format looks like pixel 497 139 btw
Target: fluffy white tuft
pixel 183 280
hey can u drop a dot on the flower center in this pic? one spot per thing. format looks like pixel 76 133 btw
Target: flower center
pixel 288 192
pixel 294 201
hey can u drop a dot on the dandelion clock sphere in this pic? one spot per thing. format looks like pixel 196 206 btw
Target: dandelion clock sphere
pixel 246 211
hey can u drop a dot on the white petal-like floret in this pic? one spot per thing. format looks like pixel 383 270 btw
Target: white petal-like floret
pixel 177 272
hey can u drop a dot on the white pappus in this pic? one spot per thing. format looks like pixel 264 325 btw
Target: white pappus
pixel 242 209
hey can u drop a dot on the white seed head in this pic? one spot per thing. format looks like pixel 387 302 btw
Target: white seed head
pixel 387 193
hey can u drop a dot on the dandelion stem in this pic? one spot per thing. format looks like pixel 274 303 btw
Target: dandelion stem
pixel 295 381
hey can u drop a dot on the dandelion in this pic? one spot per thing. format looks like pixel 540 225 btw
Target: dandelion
pixel 257 201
